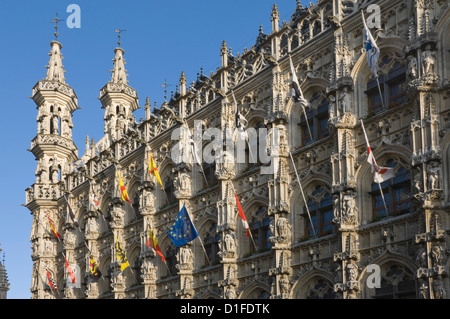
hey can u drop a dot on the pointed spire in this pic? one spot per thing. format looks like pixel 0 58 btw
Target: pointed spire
pixel 55 68
pixel 119 74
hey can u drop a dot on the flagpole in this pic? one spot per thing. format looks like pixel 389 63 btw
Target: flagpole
pixel 249 230
pixel 295 80
pixel 381 95
pixel 307 122
pixel 201 242
pixel 303 195
pixel 374 68
pixel 379 184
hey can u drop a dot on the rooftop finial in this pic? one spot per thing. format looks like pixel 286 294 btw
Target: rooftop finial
pixel 165 85
pixel 56 21
pixel 119 31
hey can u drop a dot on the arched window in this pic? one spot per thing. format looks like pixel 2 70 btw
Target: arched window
pixel 209 170
pixel 260 228
pixel 392 93
pixel 171 261
pixel 305 31
pixel 320 205
pixel 317 28
pixel 169 189
pixel 318 116
pixel 252 155
pixel 396 192
pixel 397 282
pixel 211 243
pixel 321 289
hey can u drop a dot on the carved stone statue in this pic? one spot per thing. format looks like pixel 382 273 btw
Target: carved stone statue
pixel 412 67
pixel 428 61
pixel 230 245
pixel 433 177
pixel 185 255
pixel 352 272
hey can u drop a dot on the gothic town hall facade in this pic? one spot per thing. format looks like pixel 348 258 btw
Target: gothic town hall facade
pixel 327 234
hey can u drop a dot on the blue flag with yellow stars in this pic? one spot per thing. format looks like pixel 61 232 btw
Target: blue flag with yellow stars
pixel 182 230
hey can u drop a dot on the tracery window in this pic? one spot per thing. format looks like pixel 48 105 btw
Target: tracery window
pixel 260 228
pixel 320 205
pixel 397 282
pixel 391 83
pixel 318 115
pixel 396 192
pixel 321 289
pixel 169 189
pixel 211 243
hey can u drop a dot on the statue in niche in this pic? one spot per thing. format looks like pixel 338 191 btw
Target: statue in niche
pixel 344 101
pixel 438 255
pixel 348 209
pixel 421 258
pixel 412 67
pixel 283 227
pixel 439 288
pixel 428 61
pixel 352 272
pixel 433 176
pixel 230 293
pixel 418 181
pixel 185 255
pixel 230 245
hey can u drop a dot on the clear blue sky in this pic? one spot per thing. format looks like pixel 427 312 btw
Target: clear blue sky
pixel 162 39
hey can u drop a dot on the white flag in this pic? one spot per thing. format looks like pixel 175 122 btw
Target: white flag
pixel 372 50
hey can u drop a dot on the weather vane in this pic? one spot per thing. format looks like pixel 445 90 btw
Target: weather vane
pixel 56 21
pixel 119 31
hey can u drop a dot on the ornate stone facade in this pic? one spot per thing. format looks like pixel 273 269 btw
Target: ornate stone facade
pixel 409 130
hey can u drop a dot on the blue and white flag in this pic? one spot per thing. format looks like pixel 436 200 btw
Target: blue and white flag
pixel 372 50
pixel 182 230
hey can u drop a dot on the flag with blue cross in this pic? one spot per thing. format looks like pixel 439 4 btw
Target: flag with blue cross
pixel 182 230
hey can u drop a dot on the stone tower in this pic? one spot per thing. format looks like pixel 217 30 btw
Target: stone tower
pixel 55 152
pixel 4 284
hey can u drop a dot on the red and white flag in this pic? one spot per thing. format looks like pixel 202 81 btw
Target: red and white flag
pixel 70 271
pixel 380 174
pixel 242 215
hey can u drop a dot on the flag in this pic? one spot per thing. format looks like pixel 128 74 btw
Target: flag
pixel 182 230
pixel 51 282
pixel 296 92
pixel 242 215
pixel 94 272
pixel 123 190
pixel 70 271
pixel 380 174
pixel 57 235
pixel 153 170
pixel 72 215
pixel 120 254
pixel 372 50
pixel 153 243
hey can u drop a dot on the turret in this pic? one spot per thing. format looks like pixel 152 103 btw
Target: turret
pixel 118 99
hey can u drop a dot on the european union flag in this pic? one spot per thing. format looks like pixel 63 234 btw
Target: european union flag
pixel 182 230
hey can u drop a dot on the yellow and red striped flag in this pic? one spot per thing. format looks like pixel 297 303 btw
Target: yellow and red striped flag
pixel 123 190
pixel 153 170
pixel 57 235
pixel 153 243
